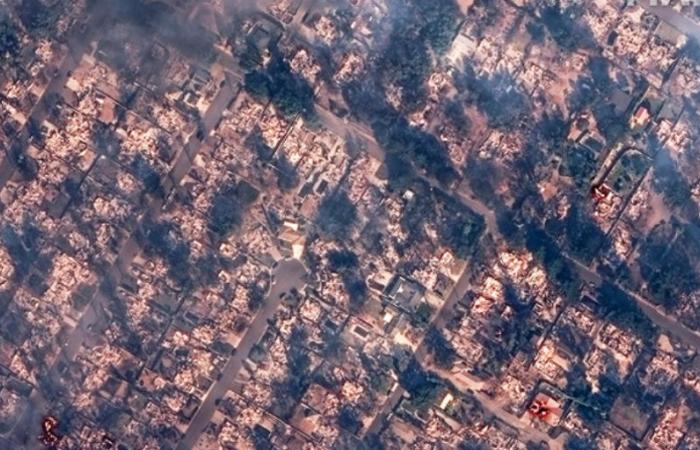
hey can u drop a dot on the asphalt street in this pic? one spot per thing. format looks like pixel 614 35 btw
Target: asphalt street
pixel 287 275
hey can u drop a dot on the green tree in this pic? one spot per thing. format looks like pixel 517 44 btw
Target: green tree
pixel 349 418
pixel 336 215
pixel 35 16
pixel 438 20
pixel 257 84
pixel 9 41
pixel 442 350
pixel 228 205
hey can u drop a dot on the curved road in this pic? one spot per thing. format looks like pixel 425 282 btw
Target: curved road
pixel 287 275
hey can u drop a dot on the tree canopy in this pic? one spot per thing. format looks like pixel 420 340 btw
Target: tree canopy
pixel 442 350
pixel 564 25
pixel 34 15
pixel 438 20
pixel 9 40
pixel 227 206
pixel 336 215
pixel 289 92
